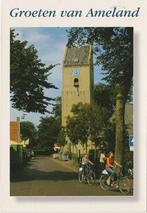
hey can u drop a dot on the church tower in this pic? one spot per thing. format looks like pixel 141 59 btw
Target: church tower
pixel 77 78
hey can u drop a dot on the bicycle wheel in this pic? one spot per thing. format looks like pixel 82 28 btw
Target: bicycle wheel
pixel 124 185
pixel 91 178
pixel 103 182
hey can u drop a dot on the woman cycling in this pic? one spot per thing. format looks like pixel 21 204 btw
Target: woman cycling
pixel 85 162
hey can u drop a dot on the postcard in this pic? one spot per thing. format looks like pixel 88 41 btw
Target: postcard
pixel 74 109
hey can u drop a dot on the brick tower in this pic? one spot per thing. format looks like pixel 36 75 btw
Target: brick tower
pixel 77 80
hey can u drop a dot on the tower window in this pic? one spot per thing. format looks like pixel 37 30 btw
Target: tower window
pixel 76 82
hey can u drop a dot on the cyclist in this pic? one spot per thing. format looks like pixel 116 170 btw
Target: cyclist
pixel 85 162
pixel 102 160
pixel 110 164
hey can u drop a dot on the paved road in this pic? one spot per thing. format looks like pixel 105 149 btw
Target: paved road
pixel 45 176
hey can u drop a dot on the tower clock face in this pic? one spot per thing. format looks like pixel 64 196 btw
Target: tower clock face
pixel 75 72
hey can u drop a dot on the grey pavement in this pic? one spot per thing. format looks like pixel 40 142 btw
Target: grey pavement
pixel 45 176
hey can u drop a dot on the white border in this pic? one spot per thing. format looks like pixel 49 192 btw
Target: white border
pixel 136 203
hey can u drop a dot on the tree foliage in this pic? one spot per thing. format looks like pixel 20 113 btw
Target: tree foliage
pixel 28 131
pixel 78 125
pixel 86 123
pixel 104 97
pixel 48 131
pixel 113 47
pixel 99 119
pixel 28 76
pixel 56 110
pixel 61 139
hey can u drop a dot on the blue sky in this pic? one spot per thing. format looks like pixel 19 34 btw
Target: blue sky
pixel 50 43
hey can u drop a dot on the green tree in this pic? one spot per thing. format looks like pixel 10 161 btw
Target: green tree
pixel 28 131
pixel 61 139
pixel 104 97
pixel 48 131
pixel 28 77
pixel 86 123
pixel 77 127
pixel 113 47
pixel 56 110
pixel 99 119
pixel 109 136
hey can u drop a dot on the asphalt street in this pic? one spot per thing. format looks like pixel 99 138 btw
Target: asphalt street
pixel 45 176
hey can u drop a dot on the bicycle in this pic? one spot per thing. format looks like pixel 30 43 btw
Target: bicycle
pixel 108 182
pixel 87 175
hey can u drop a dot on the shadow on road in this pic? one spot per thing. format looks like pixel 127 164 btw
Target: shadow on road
pixel 34 174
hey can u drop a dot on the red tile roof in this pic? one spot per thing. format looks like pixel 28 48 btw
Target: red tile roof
pixel 14 131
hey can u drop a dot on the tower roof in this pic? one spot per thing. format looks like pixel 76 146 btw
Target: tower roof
pixel 77 56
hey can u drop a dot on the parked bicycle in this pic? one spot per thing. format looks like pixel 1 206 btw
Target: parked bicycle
pixel 87 174
pixel 121 183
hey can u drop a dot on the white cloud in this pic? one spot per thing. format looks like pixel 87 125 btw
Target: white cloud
pixel 32 35
pixel 38 37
